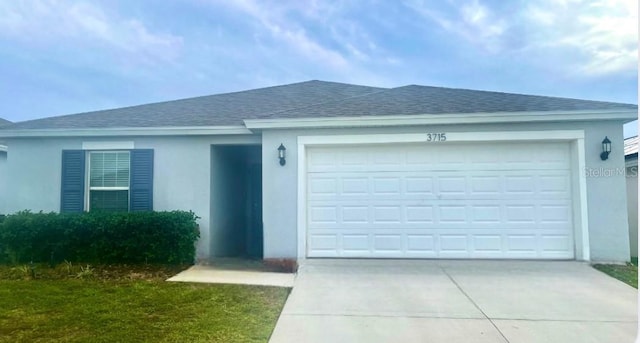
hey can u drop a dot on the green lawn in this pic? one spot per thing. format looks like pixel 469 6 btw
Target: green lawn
pixel 131 305
pixel 626 273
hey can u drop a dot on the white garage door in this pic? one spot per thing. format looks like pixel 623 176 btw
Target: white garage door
pixel 487 200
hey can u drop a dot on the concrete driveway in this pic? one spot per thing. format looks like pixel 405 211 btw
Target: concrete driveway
pixel 456 301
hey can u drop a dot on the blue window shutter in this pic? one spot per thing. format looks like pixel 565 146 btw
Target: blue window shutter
pixel 141 183
pixel 73 176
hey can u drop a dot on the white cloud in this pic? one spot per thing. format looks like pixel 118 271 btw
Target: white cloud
pixel 327 33
pixel 598 36
pixel 300 40
pixel 471 20
pixel 603 32
pixel 272 17
pixel 49 23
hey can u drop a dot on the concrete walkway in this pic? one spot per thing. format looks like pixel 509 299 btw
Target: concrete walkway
pixel 456 301
pixel 214 274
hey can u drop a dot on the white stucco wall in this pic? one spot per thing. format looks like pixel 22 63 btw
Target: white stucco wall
pixel 608 224
pixel 608 227
pixel 632 205
pixel 183 166
pixel 181 174
pixel 3 181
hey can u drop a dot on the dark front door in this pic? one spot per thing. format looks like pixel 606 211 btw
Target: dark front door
pixel 254 232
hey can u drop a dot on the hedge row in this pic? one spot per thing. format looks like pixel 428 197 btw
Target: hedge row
pixel 99 237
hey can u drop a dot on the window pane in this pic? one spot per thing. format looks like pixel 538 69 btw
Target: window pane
pixel 96 161
pixel 109 169
pixel 109 200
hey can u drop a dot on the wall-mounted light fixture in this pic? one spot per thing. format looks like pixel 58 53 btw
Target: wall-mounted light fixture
pixel 282 154
pixel 606 148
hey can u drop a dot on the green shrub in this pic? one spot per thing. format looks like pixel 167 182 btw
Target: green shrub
pixel 99 237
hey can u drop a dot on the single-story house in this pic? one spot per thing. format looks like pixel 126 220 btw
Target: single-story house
pixel 631 171
pixel 3 166
pixel 331 170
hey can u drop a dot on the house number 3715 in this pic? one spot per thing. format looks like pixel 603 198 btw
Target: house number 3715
pixel 436 137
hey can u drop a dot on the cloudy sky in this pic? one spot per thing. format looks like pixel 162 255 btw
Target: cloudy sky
pixel 61 57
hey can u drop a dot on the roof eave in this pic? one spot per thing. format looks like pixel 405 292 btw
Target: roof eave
pixel 328 122
pixel 441 119
pixel 127 131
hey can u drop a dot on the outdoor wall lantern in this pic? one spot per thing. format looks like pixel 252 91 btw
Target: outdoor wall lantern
pixel 282 154
pixel 606 148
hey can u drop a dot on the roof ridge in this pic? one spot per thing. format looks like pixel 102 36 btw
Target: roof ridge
pixel 381 90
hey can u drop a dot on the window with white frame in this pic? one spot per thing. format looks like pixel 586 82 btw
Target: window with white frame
pixel 108 186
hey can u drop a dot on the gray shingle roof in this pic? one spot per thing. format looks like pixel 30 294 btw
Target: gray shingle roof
pixel 212 110
pixel 313 99
pixel 411 100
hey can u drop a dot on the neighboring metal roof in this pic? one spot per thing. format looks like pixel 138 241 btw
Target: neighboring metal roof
pixel 412 100
pixel 313 99
pixel 631 146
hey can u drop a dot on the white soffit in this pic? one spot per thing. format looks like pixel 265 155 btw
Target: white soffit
pixel 441 119
pixel 131 131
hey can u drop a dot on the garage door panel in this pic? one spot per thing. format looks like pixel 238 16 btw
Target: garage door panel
pixel 385 214
pixel 440 185
pixel 327 243
pixel 418 214
pixel 352 158
pixel 457 243
pixel 487 243
pixel 452 214
pixel 555 185
pixel 520 185
pixel 421 243
pixel 356 185
pixel 444 245
pixel 323 186
pixel 555 213
pixel 486 185
pixel 325 160
pixel 519 214
pixel 452 185
pixel 388 243
pixel 355 214
pixel 555 243
pixel 356 242
pixel 437 197
pixel 386 185
pixel 454 157
pixel 323 214
pixel 419 185
pixel 472 213
pixel 385 157
pixel 517 243
pixel 489 214
pixel 449 201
